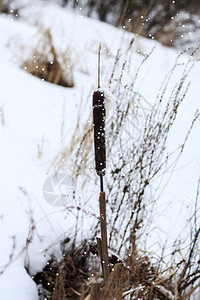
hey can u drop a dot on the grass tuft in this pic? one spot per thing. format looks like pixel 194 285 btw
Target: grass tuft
pixel 45 63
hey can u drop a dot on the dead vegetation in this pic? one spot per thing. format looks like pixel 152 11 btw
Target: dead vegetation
pixel 74 277
pixel 136 149
pixel 46 63
pixel 136 155
pixel 138 276
pixel 64 279
pixel 134 161
pixel 154 19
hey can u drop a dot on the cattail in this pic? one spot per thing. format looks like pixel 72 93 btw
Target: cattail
pixel 99 114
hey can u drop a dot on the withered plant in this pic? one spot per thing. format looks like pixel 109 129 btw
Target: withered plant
pixel 46 62
pixel 65 278
pixel 137 135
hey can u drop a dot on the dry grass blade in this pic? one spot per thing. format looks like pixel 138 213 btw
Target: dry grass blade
pixel 113 287
pixel 187 295
pixel 95 293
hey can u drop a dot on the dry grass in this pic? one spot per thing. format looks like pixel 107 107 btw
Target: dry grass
pixel 64 279
pixel 136 148
pixel 137 277
pixel 70 277
pixel 136 155
pixel 45 63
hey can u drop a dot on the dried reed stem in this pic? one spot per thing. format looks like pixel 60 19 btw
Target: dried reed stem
pixel 104 245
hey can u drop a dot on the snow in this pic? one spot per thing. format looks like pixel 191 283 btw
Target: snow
pixel 17 284
pixel 33 112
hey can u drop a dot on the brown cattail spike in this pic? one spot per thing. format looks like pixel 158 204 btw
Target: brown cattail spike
pixel 99 114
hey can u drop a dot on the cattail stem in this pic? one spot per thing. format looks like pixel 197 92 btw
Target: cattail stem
pixel 99 66
pixel 101 183
pixel 104 245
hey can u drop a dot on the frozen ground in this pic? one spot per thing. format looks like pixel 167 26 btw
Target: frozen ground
pixel 33 113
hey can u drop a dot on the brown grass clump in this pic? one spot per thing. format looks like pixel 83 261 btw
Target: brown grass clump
pixel 46 64
pixel 64 279
pixel 70 278
pixel 137 276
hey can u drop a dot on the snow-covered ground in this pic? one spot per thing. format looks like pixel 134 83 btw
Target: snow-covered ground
pixel 33 113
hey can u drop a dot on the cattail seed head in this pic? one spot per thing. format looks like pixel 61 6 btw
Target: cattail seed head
pixel 99 114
